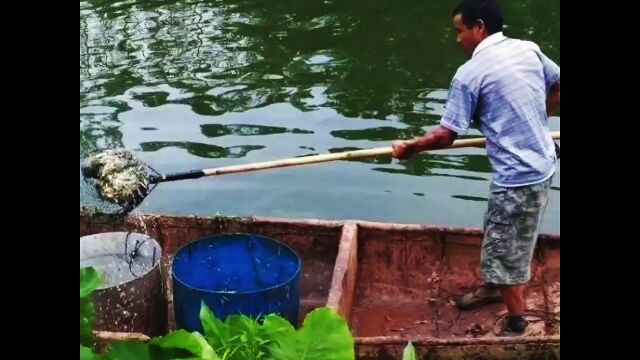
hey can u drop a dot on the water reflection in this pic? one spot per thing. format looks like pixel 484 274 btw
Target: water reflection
pixel 363 59
pixel 203 150
pixel 261 80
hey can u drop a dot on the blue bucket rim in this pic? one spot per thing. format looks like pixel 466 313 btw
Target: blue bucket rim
pixel 183 247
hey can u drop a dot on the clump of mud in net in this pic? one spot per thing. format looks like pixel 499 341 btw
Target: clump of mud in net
pixel 118 176
pixel 90 202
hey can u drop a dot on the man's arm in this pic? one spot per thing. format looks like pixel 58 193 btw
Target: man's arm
pixel 459 109
pixel 553 98
pixel 439 138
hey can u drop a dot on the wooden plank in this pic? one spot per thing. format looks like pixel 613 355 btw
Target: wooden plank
pixel 345 271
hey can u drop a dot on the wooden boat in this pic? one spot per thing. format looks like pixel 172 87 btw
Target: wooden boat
pixel 393 282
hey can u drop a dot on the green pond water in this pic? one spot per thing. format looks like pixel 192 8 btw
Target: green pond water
pixel 201 84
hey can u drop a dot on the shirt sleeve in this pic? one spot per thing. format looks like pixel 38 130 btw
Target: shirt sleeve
pixel 459 108
pixel 551 70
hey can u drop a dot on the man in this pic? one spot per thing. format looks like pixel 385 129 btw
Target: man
pixel 507 87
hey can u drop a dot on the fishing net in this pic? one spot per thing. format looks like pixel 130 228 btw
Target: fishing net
pixel 113 181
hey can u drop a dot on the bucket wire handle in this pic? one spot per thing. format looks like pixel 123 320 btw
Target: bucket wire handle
pixel 134 253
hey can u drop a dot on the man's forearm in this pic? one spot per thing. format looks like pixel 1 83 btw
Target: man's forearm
pixel 439 138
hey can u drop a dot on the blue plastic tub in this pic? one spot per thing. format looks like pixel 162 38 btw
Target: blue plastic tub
pixel 235 274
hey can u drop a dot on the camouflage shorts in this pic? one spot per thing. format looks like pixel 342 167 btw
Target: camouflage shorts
pixel 511 229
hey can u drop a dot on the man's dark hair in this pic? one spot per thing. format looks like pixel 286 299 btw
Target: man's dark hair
pixel 486 10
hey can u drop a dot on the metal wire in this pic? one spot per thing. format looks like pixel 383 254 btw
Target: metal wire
pixel 134 253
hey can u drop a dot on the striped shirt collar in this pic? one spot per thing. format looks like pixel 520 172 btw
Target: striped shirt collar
pixel 489 41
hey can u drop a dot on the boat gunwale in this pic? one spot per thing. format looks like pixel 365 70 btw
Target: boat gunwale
pixel 388 340
pixel 456 341
pixel 329 224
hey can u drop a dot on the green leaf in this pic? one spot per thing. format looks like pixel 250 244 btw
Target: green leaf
pixel 324 335
pixel 87 313
pixel 89 281
pixel 283 337
pixel 245 338
pixel 237 338
pixel 216 332
pixel 409 352
pixel 88 354
pixel 192 342
pixel 278 328
pixel 228 353
pixel 129 350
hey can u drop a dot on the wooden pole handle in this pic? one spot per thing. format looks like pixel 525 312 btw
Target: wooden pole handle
pixel 115 336
pixel 347 155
